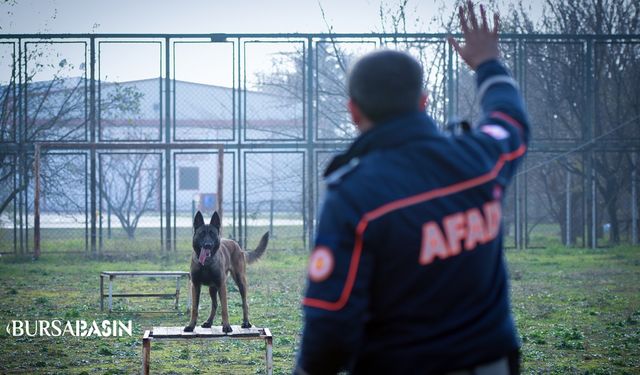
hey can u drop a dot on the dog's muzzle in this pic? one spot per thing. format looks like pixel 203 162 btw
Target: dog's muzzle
pixel 204 254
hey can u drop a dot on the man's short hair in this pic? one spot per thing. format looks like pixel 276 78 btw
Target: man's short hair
pixel 386 83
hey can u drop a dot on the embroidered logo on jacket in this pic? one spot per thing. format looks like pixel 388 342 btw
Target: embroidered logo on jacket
pixel 461 230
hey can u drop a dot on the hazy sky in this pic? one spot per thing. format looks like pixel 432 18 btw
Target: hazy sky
pixel 197 63
pixel 200 16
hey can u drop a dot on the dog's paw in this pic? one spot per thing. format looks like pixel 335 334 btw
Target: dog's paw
pixel 246 324
pixel 206 324
pixel 226 328
pixel 188 328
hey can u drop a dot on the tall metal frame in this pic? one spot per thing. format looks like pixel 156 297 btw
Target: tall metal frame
pixel 23 147
pixel 92 226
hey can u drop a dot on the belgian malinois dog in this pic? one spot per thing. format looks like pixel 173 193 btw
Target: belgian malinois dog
pixel 212 259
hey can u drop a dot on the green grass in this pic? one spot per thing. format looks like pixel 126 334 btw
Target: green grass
pixel 283 237
pixel 577 311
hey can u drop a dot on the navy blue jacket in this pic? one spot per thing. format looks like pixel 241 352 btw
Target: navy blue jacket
pixel 408 273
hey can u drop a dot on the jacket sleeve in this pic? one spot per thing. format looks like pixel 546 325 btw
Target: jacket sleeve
pixel 337 298
pixel 504 125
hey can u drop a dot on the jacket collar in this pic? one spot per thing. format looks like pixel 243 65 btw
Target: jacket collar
pixel 390 134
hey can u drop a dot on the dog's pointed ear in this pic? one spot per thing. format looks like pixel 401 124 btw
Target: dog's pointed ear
pixel 215 220
pixel 198 220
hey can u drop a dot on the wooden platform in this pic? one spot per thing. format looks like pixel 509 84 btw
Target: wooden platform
pixel 145 273
pixel 213 333
pixel 111 275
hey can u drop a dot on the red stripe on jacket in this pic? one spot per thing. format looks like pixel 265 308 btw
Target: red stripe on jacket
pixel 398 204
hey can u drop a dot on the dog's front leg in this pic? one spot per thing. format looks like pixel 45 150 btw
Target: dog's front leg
pixel 195 292
pixel 213 292
pixel 241 282
pixel 226 327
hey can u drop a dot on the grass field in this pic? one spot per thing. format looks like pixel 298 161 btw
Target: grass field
pixel 56 240
pixel 578 311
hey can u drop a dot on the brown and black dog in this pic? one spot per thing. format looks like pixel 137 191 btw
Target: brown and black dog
pixel 212 259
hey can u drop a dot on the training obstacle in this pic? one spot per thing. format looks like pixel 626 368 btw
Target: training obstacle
pixel 213 333
pixel 111 275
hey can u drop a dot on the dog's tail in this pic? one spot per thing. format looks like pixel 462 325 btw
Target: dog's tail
pixel 254 255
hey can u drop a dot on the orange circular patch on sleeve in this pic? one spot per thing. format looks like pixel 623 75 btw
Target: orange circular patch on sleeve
pixel 320 264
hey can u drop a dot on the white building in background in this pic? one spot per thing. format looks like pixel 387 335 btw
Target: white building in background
pixel 199 113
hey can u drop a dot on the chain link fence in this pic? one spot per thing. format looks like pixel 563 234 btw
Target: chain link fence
pixel 130 130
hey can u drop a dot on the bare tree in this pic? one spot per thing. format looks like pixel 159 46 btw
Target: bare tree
pixel 129 187
pixel 334 57
pixel 56 110
pixel 557 93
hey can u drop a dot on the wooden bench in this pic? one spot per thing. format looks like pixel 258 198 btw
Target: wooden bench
pixel 113 274
pixel 213 333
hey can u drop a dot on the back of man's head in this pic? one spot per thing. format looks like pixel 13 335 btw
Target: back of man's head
pixel 386 83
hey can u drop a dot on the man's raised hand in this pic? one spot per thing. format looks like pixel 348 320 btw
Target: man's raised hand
pixel 480 42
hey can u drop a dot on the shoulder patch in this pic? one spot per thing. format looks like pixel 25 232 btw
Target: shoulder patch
pixel 495 131
pixel 320 264
pixel 337 176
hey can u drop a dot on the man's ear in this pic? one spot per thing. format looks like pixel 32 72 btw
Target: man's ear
pixel 198 220
pixel 215 220
pixel 356 114
pixel 424 102
pixel 362 122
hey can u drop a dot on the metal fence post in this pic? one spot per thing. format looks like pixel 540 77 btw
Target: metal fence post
pixel 220 181
pixel 634 199
pixel 594 197
pixel 14 170
pixel 21 155
pixel 450 103
pixel 589 123
pixel 312 176
pixel 36 202
pixel 525 207
pixel 92 135
pixel 518 182
pixel 238 137
pixel 523 186
pixel 167 153
pixel 100 207
pixel 567 218
pixel 516 209
pixel 585 200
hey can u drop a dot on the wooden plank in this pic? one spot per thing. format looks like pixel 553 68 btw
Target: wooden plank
pixel 266 332
pixel 145 273
pixel 211 333
pixel 164 295
pixel 159 331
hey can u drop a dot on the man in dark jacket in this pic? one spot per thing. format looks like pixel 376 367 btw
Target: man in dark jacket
pixel 408 274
